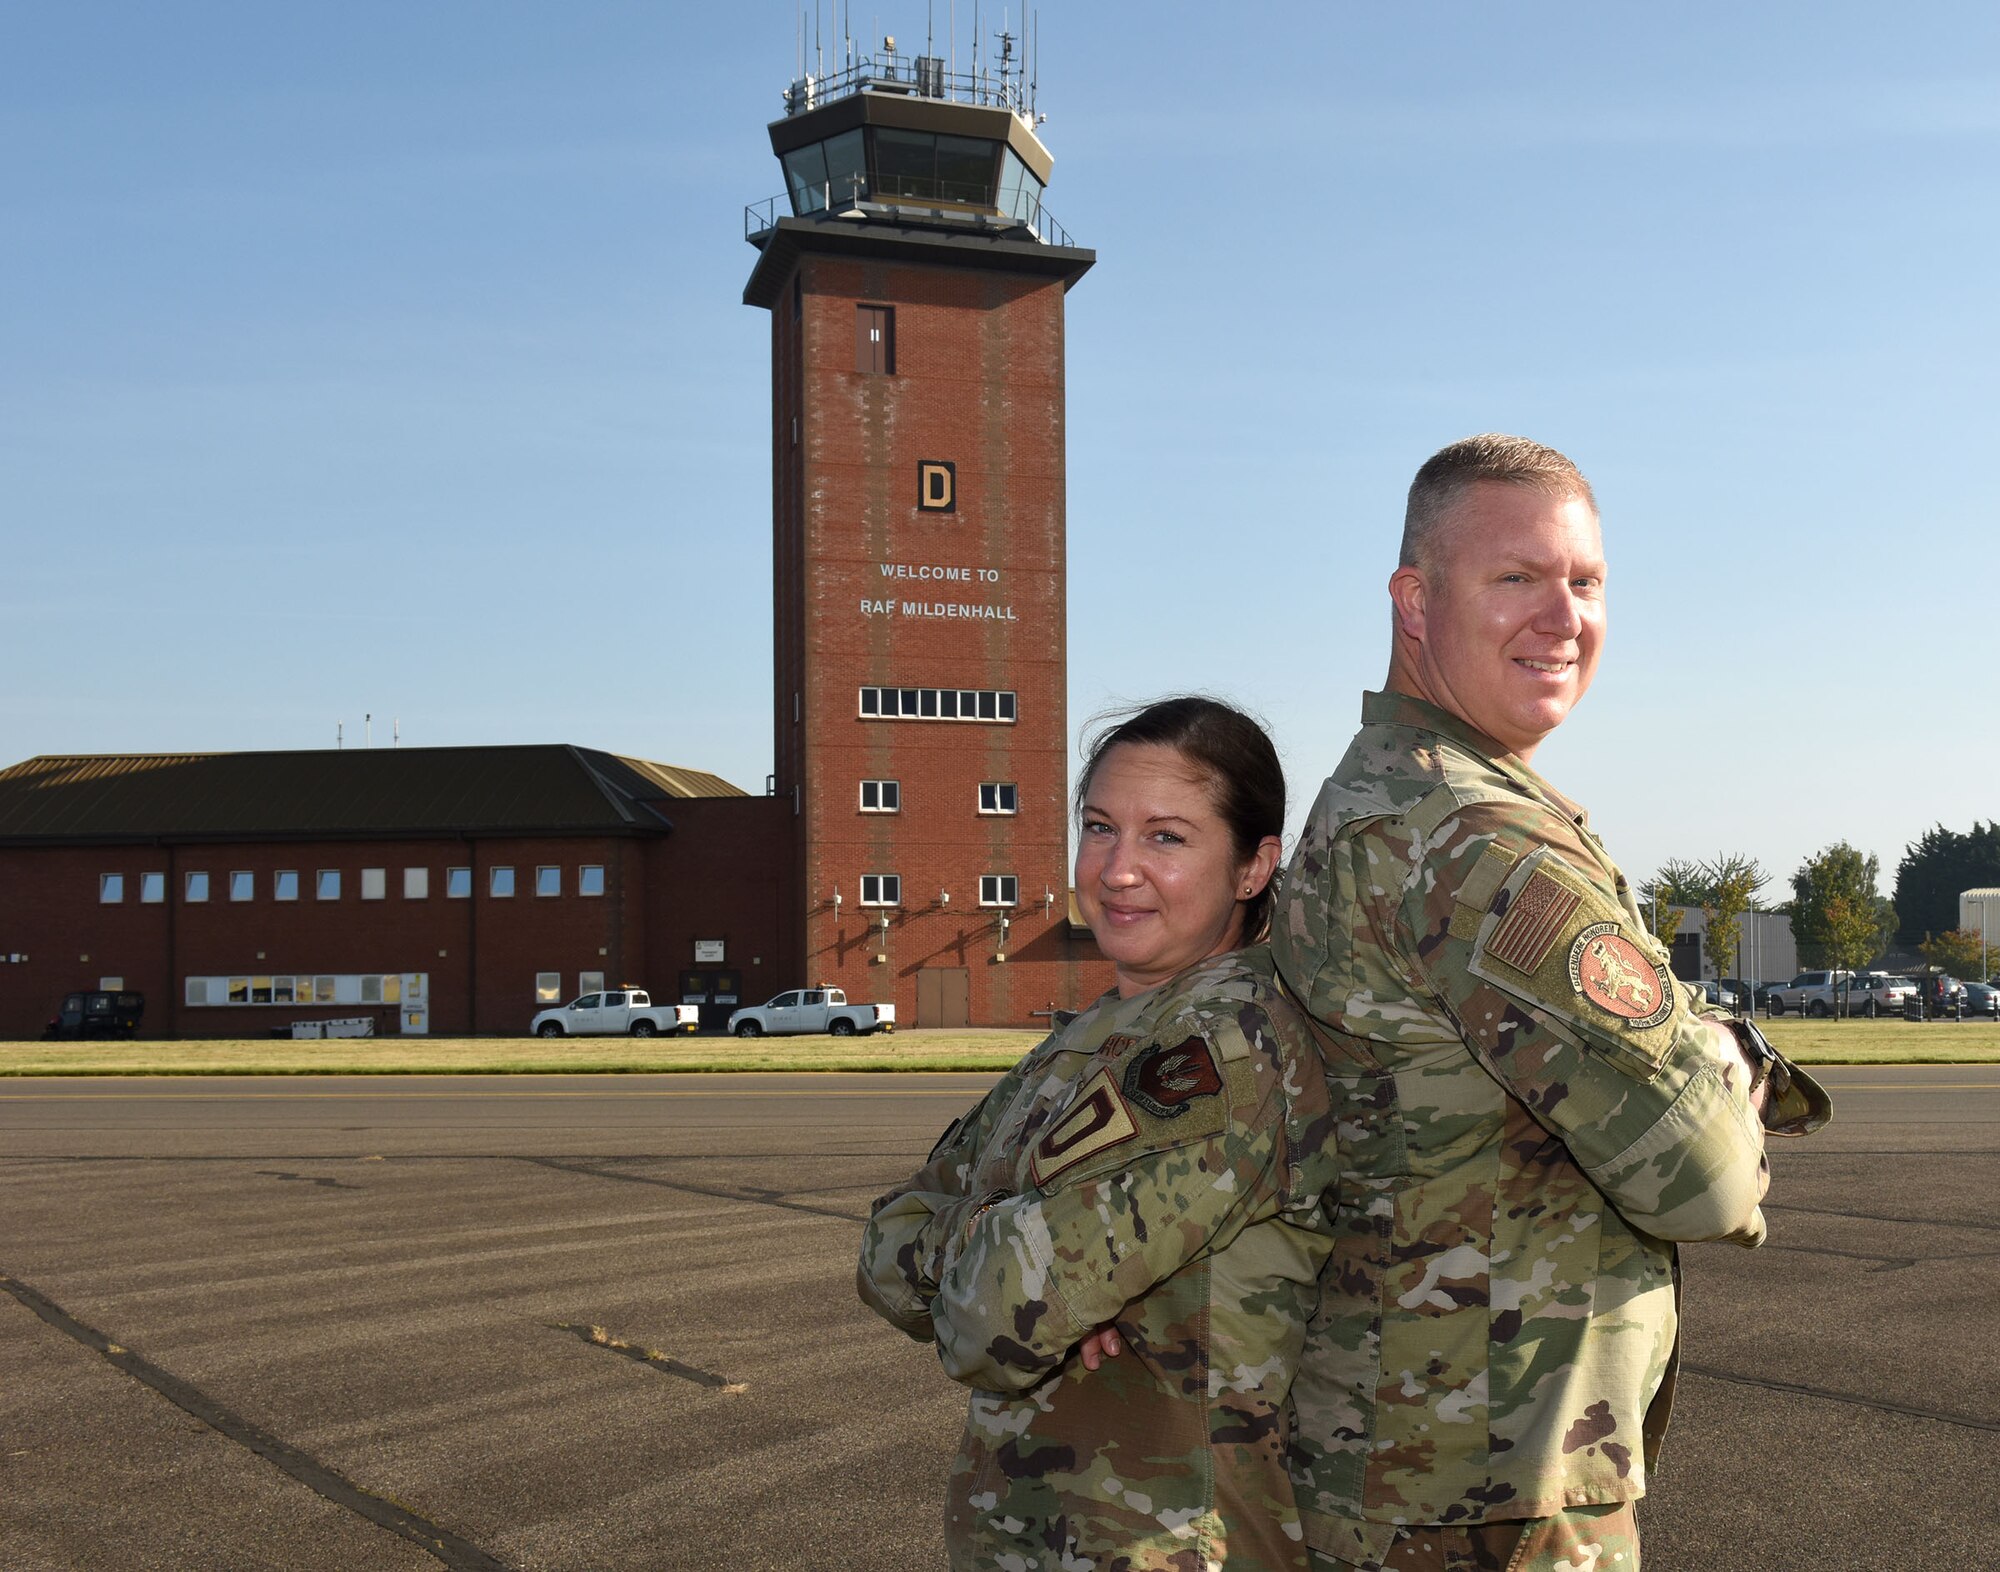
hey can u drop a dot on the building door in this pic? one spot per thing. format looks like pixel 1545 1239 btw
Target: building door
pixel 944 996
pixel 416 1004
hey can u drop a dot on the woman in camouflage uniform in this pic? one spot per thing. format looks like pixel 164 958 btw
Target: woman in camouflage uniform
pixel 1156 1174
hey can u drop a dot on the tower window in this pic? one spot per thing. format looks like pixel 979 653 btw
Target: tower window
pixel 875 339
pixel 881 797
pixel 959 704
pixel 881 889
pixel 999 797
pixel 999 889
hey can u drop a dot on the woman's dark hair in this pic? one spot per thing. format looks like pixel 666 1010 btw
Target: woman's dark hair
pixel 1246 783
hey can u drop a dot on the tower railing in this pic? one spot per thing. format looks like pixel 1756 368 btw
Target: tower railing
pixel 910 200
pixel 917 76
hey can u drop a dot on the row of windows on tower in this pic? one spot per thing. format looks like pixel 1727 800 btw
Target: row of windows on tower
pixel 887 797
pixel 954 704
pixel 886 889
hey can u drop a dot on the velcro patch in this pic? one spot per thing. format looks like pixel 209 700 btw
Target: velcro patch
pixel 1613 973
pixel 1164 1080
pixel 1533 922
pixel 1096 1120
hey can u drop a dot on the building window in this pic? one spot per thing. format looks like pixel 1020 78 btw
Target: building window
pixel 416 884
pixel 875 340
pixel 197 990
pixel 590 881
pixel 881 889
pixel 590 982
pixel 281 990
pixel 110 888
pixel 328 887
pixel 548 881
pixel 196 888
pixel 458 884
pixel 953 704
pixel 239 990
pixel 242 885
pixel 881 797
pixel 110 984
pixel 548 988
pixel 152 888
pixel 999 797
pixel 285 885
pixel 374 883
pixel 999 889
pixel 500 882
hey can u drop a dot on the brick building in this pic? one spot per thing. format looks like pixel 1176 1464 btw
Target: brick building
pixel 450 890
pixel 913 846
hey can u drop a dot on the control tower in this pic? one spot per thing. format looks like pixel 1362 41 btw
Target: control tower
pixel 916 282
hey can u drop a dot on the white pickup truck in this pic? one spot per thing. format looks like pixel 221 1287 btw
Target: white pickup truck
pixel 812 1010
pixel 623 1012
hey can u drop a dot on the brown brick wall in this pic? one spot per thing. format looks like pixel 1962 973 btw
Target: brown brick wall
pixel 977 383
pixel 721 869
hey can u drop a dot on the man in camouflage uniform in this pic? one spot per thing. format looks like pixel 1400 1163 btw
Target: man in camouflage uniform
pixel 1529 1105
pixel 1162 1162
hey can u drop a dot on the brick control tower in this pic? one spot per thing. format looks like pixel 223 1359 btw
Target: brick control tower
pixel 915 284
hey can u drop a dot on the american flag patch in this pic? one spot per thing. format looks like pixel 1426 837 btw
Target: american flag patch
pixel 1533 922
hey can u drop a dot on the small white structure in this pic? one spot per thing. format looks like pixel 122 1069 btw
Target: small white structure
pixel 1979 912
pixel 1765 950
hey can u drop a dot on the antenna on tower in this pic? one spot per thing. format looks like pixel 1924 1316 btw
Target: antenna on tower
pixel 368 730
pixel 340 734
pixel 396 737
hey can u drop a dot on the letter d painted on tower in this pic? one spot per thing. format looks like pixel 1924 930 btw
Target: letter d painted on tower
pixel 937 486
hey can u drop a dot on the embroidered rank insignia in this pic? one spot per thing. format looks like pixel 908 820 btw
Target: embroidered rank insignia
pixel 1533 922
pixel 1095 1121
pixel 1618 977
pixel 1164 1080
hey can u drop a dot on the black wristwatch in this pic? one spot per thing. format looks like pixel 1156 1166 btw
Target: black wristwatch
pixel 1763 1059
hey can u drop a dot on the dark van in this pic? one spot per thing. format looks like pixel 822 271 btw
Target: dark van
pixel 97 1015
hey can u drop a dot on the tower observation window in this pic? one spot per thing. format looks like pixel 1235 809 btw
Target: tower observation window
pixel 950 704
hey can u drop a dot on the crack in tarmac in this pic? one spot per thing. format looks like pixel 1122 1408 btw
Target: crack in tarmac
pixel 753 1198
pixel 461 1555
pixel 1826 1394
pixel 598 1337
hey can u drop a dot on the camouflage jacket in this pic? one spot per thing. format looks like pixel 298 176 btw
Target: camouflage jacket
pixel 1527 1108
pixel 1162 1161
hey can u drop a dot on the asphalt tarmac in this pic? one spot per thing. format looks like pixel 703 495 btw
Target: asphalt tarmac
pixel 348 1325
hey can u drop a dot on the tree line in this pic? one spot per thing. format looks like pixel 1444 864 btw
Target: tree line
pixel 1838 914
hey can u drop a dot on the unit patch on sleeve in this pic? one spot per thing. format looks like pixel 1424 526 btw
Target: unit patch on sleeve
pixel 1096 1120
pixel 1164 1080
pixel 1534 919
pixel 1613 973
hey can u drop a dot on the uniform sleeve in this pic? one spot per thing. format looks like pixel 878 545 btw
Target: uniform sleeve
pixel 1160 1159
pixel 895 1276
pixel 1569 1003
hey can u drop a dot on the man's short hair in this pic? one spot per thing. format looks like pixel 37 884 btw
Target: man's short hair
pixel 1451 471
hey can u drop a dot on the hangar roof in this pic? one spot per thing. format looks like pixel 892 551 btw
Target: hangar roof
pixel 540 788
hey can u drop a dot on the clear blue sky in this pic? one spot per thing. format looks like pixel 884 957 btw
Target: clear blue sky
pixel 389 357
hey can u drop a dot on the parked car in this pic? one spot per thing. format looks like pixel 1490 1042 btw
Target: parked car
pixel 622 1012
pixel 1762 997
pixel 1939 995
pixel 1879 994
pixel 813 1010
pixel 1982 999
pixel 104 1014
pixel 1719 992
pixel 1810 993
